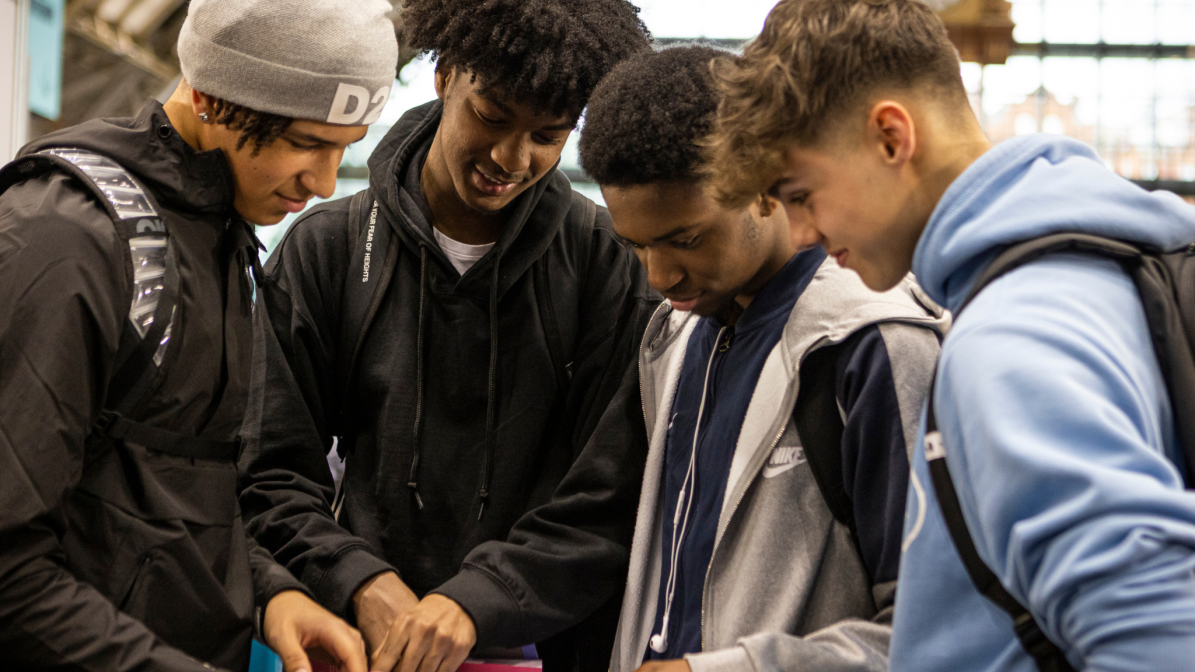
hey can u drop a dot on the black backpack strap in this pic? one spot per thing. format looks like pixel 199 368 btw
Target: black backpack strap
pixel 115 426
pixel 1166 283
pixel 371 266
pixel 561 307
pixel 1022 253
pixel 1045 653
pixel 819 424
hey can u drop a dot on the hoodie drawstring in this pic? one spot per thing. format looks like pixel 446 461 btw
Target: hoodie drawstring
pixel 413 480
pixel 491 390
pixel 491 395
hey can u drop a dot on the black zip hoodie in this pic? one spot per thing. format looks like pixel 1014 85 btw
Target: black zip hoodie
pixel 118 557
pixel 455 419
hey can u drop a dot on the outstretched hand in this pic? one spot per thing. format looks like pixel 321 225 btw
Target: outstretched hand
pixel 294 624
pixel 434 636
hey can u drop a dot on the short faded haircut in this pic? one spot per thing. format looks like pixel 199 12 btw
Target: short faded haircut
pixel 814 62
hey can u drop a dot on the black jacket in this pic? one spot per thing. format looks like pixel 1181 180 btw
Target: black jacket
pixel 119 557
pixel 413 409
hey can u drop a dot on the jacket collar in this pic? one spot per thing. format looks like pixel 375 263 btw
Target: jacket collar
pixel 179 176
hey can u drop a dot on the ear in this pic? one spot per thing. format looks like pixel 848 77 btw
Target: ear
pixel 767 205
pixel 444 77
pixel 890 127
pixel 201 103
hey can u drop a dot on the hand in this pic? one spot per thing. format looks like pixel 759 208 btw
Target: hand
pixel 378 603
pixel 293 624
pixel 680 665
pixel 435 636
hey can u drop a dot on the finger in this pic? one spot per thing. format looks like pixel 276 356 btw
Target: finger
pixel 345 645
pixel 452 661
pixel 288 648
pixel 440 649
pixel 418 647
pixel 431 661
pixel 386 656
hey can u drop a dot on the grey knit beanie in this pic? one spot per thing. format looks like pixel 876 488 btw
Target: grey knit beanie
pixel 326 60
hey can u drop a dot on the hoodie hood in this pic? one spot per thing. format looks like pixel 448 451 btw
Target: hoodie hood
pixel 148 146
pixel 1029 187
pixel 535 217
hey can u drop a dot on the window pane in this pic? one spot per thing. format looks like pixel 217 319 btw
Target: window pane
pixel 1071 21
pixel 1009 85
pixel 1129 22
pixel 1176 21
pixel 1027 14
pixel 705 18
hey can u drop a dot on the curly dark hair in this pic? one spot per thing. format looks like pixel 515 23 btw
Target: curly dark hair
pixel 260 128
pixel 646 118
pixel 549 54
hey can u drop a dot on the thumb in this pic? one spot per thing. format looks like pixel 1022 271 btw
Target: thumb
pixel 294 659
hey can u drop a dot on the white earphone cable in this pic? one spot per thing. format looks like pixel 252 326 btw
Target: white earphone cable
pixel 659 642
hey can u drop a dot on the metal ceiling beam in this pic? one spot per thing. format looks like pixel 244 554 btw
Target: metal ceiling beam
pixel 147 16
pixel 1103 50
pixel 1042 49
pixel 1180 187
pixel 121 44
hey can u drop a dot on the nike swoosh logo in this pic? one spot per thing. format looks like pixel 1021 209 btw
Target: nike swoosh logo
pixel 783 458
pixel 771 471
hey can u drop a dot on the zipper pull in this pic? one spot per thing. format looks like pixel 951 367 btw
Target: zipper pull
pixel 724 346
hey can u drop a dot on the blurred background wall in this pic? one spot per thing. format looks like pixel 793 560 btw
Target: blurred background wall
pixel 1116 74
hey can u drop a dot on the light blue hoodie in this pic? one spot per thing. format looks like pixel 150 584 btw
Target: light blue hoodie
pixel 1058 431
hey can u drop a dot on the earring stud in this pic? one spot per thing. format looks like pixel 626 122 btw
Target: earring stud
pixel 203 117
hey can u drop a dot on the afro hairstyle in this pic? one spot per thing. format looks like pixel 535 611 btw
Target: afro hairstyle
pixel 549 54
pixel 646 119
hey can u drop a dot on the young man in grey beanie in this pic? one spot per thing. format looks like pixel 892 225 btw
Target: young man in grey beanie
pixel 126 255
pixel 462 327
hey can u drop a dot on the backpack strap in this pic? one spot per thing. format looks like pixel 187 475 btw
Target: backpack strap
pixel 113 425
pixel 1156 287
pixel 1045 653
pixel 561 307
pixel 143 344
pixel 820 426
pixel 371 266
pixel 1166 283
